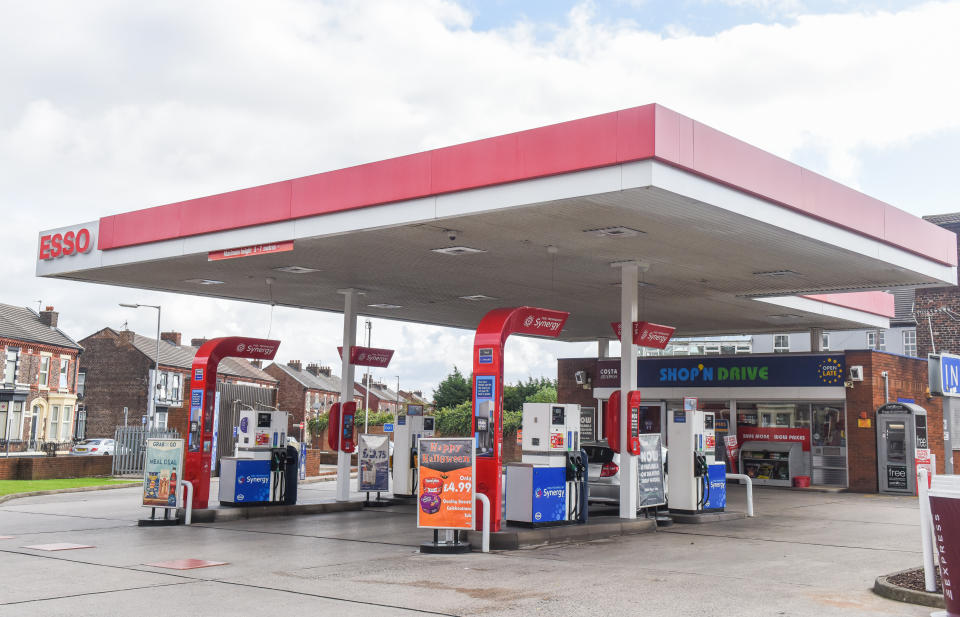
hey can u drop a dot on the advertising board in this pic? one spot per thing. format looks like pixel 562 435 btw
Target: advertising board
pixel 374 463
pixel 650 472
pixel 162 473
pixel 445 489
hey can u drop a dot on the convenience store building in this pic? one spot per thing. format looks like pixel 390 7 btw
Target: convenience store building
pixel 793 414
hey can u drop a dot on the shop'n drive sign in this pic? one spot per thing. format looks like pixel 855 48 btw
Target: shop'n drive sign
pixel 368 356
pixel 647 334
pixel 65 244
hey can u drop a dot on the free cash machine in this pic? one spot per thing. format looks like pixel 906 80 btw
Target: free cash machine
pixel 257 472
pixel 549 486
pixel 902 447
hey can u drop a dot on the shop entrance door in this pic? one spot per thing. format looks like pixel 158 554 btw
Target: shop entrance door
pixel 828 444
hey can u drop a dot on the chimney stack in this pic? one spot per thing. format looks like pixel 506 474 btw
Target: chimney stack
pixel 171 337
pixel 197 342
pixel 48 317
pixel 325 370
pixel 295 365
pixel 313 368
pixel 127 335
pixel 257 363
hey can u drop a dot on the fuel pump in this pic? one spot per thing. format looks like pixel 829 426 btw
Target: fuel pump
pixel 549 486
pixel 256 472
pixel 408 430
pixel 696 483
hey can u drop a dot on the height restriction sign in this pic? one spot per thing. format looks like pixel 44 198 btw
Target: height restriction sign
pixel 445 490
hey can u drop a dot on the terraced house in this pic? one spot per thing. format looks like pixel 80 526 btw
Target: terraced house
pixel 38 396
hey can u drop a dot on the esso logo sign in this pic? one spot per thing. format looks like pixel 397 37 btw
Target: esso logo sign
pixel 72 242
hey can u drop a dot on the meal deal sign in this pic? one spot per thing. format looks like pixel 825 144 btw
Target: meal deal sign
pixel 162 472
pixel 445 490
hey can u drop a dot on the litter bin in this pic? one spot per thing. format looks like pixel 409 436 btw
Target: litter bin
pixel 291 473
pixel 945 509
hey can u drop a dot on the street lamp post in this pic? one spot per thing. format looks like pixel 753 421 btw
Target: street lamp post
pixel 366 385
pixel 152 394
pixel 396 409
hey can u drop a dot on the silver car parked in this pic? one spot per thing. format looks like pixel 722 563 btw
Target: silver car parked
pixel 604 472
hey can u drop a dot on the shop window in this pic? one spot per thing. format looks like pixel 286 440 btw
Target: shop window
pixel 44 371
pixel 10 367
pixel 910 342
pixel 825 341
pixel 829 426
pixel 781 343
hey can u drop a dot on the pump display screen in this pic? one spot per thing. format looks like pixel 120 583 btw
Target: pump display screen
pixel 428 424
pixel 557 415
pixel 707 420
pixel 481 424
pixel 263 420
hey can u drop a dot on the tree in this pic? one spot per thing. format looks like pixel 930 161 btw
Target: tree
pixel 547 394
pixel 515 396
pixel 452 391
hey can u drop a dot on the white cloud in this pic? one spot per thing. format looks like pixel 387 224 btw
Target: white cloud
pixel 113 106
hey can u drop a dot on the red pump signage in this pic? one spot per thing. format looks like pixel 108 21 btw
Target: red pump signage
pixel 647 334
pixel 65 244
pixel 368 356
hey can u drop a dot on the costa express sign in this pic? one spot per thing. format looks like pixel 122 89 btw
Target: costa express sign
pixel 71 242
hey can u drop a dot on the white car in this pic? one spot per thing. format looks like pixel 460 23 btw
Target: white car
pixel 94 447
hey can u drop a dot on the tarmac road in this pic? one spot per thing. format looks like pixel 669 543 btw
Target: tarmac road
pixel 806 553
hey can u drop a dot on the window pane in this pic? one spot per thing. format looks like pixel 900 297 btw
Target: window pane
pixel 44 371
pixel 10 367
pixel 64 370
pixel 829 426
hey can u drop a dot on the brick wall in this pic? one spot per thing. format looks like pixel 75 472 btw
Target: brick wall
pixel 290 393
pixel 45 468
pixel 28 372
pixel 117 375
pixel 907 379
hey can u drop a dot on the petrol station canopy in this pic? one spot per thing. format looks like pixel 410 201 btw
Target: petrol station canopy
pixel 730 239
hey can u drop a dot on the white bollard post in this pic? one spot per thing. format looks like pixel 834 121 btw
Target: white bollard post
pixel 485 542
pixel 744 478
pixel 926 532
pixel 188 503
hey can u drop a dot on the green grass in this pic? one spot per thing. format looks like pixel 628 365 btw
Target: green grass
pixel 26 486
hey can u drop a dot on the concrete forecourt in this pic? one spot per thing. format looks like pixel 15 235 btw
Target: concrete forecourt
pixel 807 553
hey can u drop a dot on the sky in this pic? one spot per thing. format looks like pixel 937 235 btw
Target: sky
pixel 108 107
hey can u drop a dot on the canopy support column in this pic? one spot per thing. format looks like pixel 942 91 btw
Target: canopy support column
pixel 346 388
pixel 628 381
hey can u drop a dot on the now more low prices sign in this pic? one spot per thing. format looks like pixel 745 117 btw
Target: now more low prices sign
pixel 445 489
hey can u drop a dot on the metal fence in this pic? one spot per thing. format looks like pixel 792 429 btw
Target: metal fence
pixel 129 448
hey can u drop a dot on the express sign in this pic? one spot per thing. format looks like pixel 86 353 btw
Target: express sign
pixel 72 242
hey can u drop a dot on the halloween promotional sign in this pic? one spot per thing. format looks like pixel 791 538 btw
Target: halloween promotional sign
pixel 445 484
